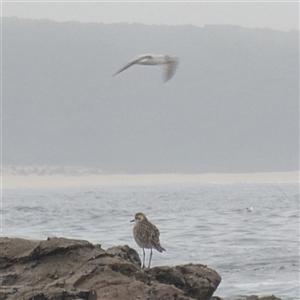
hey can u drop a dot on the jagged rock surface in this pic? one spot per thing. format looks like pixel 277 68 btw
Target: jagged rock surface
pixel 61 268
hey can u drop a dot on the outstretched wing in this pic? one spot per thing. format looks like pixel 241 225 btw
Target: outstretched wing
pixel 131 63
pixel 170 69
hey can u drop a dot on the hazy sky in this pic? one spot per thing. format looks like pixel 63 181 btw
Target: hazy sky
pixel 283 15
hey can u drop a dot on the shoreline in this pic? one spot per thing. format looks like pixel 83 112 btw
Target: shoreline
pixel 101 180
pixel 97 273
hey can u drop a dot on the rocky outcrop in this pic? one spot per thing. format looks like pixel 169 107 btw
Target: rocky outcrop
pixel 60 268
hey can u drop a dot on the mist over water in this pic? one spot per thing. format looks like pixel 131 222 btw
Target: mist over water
pixel 255 252
pixel 231 107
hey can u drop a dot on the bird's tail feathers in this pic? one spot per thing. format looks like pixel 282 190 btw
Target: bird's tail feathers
pixel 159 248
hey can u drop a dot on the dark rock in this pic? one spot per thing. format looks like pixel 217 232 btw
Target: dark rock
pixel 200 281
pixel 60 268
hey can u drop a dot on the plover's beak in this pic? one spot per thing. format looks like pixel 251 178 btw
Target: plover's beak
pixel 132 221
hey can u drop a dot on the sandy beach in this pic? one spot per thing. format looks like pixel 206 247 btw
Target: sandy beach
pixel 53 181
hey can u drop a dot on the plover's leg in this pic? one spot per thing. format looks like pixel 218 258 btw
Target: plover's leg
pixel 150 259
pixel 143 266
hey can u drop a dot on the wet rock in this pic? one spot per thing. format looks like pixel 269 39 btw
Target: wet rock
pixel 200 281
pixel 60 268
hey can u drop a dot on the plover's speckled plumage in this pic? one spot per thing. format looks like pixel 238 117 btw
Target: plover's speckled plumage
pixel 170 63
pixel 146 235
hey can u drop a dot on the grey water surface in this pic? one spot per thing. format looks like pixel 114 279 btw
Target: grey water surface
pixel 255 252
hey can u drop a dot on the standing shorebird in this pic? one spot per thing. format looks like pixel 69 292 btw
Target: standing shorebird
pixel 146 236
pixel 170 63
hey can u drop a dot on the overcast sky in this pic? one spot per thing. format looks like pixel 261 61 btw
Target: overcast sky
pixel 282 15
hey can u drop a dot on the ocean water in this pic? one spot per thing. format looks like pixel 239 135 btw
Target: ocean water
pixel 255 252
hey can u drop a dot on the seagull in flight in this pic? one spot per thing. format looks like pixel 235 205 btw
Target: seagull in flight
pixel 170 63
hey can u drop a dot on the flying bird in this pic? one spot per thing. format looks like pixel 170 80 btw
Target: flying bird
pixel 170 63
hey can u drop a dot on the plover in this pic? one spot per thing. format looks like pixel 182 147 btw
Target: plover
pixel 170 63
pixel 146 236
